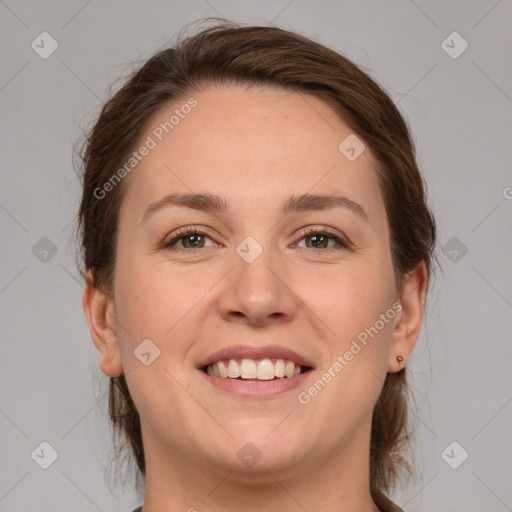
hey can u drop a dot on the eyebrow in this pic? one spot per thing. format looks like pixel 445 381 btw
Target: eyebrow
pixel 211 203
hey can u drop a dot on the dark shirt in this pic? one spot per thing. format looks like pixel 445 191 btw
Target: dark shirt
pixel 386 507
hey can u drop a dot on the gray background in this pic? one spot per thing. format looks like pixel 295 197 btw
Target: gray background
pixel 460 111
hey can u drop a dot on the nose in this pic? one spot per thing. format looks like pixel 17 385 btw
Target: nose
pixel 257 293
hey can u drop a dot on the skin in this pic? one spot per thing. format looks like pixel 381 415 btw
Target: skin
pixel 255 147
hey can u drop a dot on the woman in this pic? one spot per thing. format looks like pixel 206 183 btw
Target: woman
pixel 257 249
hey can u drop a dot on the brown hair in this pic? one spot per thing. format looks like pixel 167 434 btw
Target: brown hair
pixel 230 54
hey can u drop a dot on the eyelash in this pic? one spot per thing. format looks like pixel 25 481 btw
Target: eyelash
pixel 183 233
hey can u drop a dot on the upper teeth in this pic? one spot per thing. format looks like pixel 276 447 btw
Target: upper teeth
pixel 264 369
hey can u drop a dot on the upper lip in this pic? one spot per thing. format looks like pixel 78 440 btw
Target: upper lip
pixel 256 353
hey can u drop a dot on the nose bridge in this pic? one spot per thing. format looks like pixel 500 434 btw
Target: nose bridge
pixel 256 291
pixel 253 272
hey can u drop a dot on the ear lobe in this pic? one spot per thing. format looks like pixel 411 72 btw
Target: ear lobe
pixel 407 328
pixel 99 310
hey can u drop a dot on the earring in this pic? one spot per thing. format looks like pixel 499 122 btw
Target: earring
pixel 400 360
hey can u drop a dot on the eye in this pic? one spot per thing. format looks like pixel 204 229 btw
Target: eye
pixel 194 238
pixel 320 239
pixel 190 238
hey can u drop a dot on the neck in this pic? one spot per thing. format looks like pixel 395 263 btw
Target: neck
pixel 334 482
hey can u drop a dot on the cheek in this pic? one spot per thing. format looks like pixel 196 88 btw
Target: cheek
pixel 358 344
pixel 158 302
pixel 357 306
pixel 153 306
pixel 353 297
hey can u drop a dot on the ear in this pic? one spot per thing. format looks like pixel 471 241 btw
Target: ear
pixel 408 324
pixel 99 311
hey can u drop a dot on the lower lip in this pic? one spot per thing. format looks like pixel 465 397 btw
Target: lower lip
pixel 256 388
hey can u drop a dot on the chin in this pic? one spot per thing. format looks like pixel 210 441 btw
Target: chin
pixel 263 451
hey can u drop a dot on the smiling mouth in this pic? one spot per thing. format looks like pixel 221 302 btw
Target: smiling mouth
pixel 251 369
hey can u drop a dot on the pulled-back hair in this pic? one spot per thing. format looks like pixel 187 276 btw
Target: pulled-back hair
pixel 229 54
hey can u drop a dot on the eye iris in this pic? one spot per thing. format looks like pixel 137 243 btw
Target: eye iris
pixel 319 240
pixel 193 240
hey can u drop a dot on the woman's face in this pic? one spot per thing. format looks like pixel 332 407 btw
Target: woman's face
pixel 249 282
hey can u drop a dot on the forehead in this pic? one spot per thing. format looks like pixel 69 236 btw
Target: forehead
pixel 254 143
